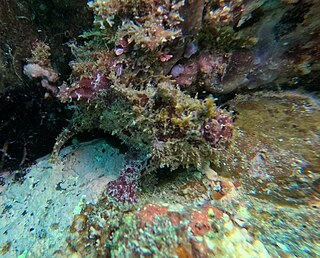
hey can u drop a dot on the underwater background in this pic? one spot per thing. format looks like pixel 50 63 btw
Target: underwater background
pixel 166 128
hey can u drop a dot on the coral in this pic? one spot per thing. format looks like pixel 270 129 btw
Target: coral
pixel 218 128
pixel 124 189
pixel 207 69
pixel 41 54
pixel 225 12
pixel 85 89
pixel 147 24
pixel 149 212
pixel 48 77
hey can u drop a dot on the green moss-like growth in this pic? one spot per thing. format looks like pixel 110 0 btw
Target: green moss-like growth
pixel 148 24
pixel 162 122
pixel 121 73
pixel 224 38
pixel 41 54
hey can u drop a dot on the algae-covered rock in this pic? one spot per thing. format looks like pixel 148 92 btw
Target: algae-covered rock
pixel 275 152
pixel 225 212
pixel 198 179
pixel 189 213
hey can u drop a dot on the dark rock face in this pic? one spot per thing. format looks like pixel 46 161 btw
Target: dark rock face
pixel 30 123
pixel 17 31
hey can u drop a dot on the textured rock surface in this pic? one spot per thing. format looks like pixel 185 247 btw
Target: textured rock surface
pixel 145 74
pixel 16 34
pixel 259 202
pixel 275 153
pixel 36 214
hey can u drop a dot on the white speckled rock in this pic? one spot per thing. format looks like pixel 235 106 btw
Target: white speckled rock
pixel 35 215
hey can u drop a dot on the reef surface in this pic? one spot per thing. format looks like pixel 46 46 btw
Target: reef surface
pixel 207 115
pixel 262 200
